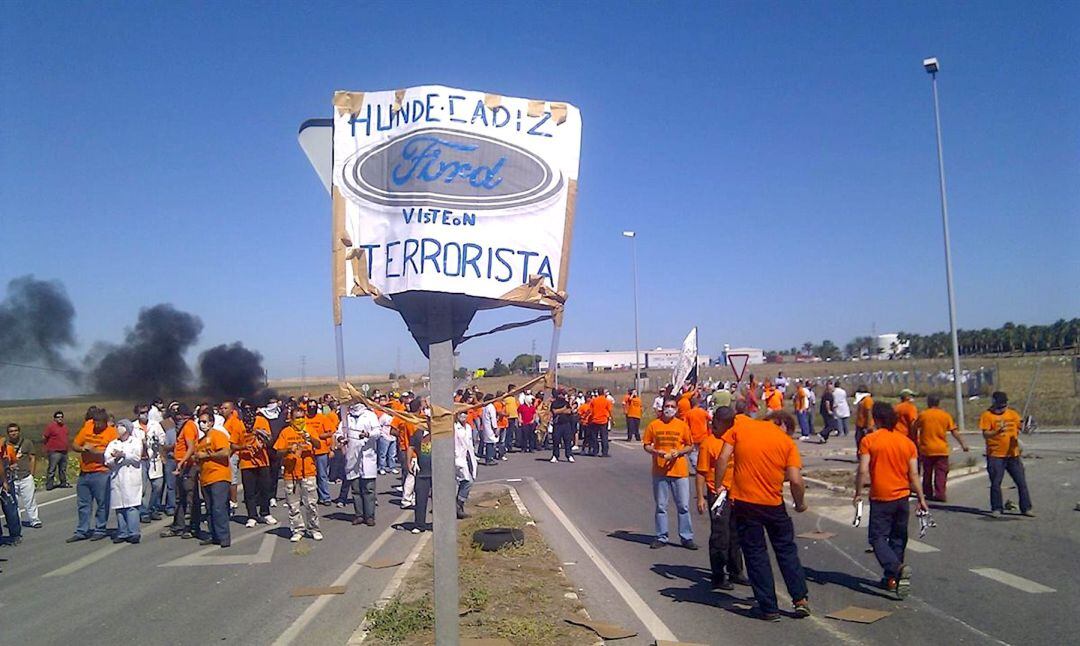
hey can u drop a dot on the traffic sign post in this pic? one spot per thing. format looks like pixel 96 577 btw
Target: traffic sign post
pixel 738 362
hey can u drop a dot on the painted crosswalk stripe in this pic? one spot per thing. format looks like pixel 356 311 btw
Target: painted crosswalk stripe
pixel 921 548
pixel 1011 580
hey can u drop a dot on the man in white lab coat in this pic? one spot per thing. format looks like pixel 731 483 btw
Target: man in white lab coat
pixel 464 461
pixel 358 436
pixel 123 456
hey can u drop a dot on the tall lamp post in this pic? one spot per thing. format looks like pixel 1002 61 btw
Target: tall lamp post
pixel 637 352
pixel 932 67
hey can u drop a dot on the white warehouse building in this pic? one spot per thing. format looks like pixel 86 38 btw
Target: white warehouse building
pixel 621 359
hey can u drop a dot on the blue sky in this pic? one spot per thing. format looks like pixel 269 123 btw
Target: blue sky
pixel 777 160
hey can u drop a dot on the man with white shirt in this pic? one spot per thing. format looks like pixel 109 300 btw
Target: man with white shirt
pixel 358 436
pixel 152 436
pixel 489 429
pixel 157 411
pixel 841 410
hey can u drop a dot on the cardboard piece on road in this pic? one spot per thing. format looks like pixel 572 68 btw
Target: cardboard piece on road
pixel 383 563
pixel 484 641
pixel 859 615
pixel 817 536
pixel 604 630
pixel 318 591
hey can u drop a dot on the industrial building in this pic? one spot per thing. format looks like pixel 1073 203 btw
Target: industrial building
pixel 621 359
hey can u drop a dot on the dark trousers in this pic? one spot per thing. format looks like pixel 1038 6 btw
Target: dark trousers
pixel 888 533
pixel 275 473
pixel 9 506
pixel 860 433
pixel 600 439
pixel 58 461
pixel 633 428
pixel 935 472
pixel 725 557
pixel 528 437
pixel 188 500
pixel 489 452
pixel 170 485
pixel 217 503
pixel 997 467
pixel 256 491
pixel 423 493
pixel 752 522
pixel 510 437
pixel 363 490
pixel 829 427
pixel 564 437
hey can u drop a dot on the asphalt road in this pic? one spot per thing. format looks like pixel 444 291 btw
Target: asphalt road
pixel 607 504
pixel 597 515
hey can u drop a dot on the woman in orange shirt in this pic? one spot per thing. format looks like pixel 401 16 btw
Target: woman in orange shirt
pixel 215 476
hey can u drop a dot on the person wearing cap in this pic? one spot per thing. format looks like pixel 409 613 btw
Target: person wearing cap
pixel 92 489
pixel 1000 426
pixel 906 414
pixel 123 457
pixel 888 462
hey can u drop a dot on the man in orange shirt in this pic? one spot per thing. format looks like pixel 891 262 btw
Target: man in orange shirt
pixel 632 410
pixel 502 424
pixel 864 419
pixel 317 426
pixel 931 428
pixel 683 405
pixel 765 456
pixel 188 496
pixel 297 449
pixel 235 429
pixel 889 461
pixel 725 558
pixel 93 485
pixel 512 435
pixel 668 440
pixel 697 418
pixel 906 414
pixel 584 414
pixel 212 454
pixel 1000 426
pixel 774 399
pixel 254 461
pixel 599 417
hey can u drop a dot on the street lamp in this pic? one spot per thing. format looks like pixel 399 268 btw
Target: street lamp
pixel 637 353
pixel 932 68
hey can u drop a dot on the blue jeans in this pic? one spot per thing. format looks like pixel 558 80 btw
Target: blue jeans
pixel 489 452
pixel 804 422
pixel 127 522
pixel 752 523
pixel 217 502
pixel 10 508
pixel 170 486
pixel 93 488
pixel 153 503
pixel 997 467
pixel 387 452
pixel 680 489
pixel 322 476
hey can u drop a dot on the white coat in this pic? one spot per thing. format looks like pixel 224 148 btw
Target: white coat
pixel 489 424
pixel 359 439
pixel 464 453
pixel 153 439
pixel 125 481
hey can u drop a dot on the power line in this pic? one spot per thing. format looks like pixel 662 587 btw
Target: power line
pixel 45 368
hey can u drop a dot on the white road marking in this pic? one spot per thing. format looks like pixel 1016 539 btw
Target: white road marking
pixel 89 559
pixel 361 632
pixel 53 502
pixel 922 548
pixel 520 505
pixel 1011 580
pixel 297 627
pixel 214 556
pixel 644 613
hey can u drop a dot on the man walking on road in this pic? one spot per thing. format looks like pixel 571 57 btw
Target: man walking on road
pixel 764 457
pixel 668 440
pixel 931 428
pixel 55 439
pixel 1000 426
pixel 632 409
pixel 889 461
pixel 562 422
pixel 840 407
pixel 725 558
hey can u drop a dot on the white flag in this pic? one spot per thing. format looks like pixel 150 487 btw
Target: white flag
pixel 686 368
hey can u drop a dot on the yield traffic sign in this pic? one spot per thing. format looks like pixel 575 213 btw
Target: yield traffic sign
pixel 738 363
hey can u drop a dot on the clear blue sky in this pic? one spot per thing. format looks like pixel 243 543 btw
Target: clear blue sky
pixel 777 161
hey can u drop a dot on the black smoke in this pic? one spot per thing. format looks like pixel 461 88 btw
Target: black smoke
pixel 231 371
pixel 36 324
pixel 151 360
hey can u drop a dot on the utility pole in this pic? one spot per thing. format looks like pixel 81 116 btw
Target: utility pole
pixel 303 370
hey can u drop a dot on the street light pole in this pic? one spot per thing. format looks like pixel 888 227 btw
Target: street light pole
pixel 932 67
pixel 637 352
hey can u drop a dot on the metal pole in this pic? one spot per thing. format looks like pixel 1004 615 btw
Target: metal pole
pixel 444 479
pixel 339 344
pixel 948 263
pixel 553 360
pixel 637 350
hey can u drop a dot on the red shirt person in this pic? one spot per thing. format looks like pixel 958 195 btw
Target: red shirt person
pixel 56 444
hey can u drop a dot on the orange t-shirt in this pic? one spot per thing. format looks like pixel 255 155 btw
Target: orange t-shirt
pixel 708 457
pixel 87 437
pixel 188 432
pixel 214 469
pixel 500 415
pixel 683 406
pixel 632 406
pixel 774 400
pixel 906 414
pixel 295 466
pixel 253 458
pixel 890 452
pixel 333 420
pixel 235 428
pixel 697 419
pixel 405 431
pixel 316 427
pixel 1007 443
pixel 932 425
pixel 763 452
pixel 395 404
pixel 601 410
pixel 585 412
pixel 863 413
pixel 800 399
pixel 668 436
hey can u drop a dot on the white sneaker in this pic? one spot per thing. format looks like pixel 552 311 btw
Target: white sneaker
pixel 382 472
pixel 232 505
pixel 570 459
pixel 296 537
pixel 395 471
pixel 505 458
pixel 317 535
pixel 407 505
pixel 415 530
pixel 553 459
pixel 250 522
pixel 802 438
pixel 339 505
pixel 273 502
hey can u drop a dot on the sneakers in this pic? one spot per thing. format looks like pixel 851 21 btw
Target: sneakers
pixel 553 459
pixel 1028 513
pixel 370 522
pixel 802 608
pixel 758 613
pixel 415 530
pixel 395 471
pixel 37 523
pixel 802 438
pixel 570 459
pixel 296 537
pixel 722 584
pixel 316 534
pixel 690 544
pixel 98 537
pixel 903 585
pixel 270 520
pixel 382 472
pixel 995 514
pixel 273 502
pixel 339 505
pixel 656 544
pixel 75 538
pixel 251 522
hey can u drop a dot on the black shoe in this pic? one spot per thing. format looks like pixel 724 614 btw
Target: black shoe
pixel 75 538
pixel 690 545
pixel 156 515
pixel 98 537
pixel 134 540
pixel 186 534
pixel 145 520
pixel 739 579
pixel 225 544
pixel 758 613
pixel 656 544
pixel 208 541
pixel 722 584
pixel 119 539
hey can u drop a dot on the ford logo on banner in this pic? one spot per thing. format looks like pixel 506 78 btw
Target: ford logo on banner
pixel 440 167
